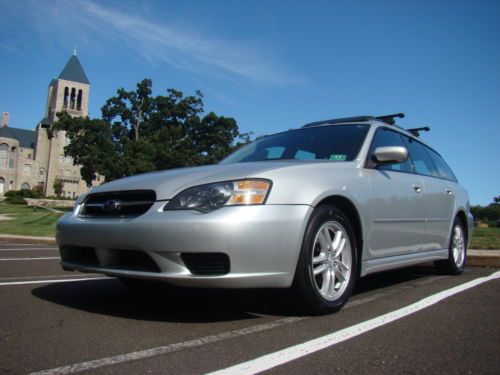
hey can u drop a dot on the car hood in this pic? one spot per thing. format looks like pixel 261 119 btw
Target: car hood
pixel 168 183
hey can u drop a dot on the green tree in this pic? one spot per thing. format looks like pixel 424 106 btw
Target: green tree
pixel 58 187
pixel 140 132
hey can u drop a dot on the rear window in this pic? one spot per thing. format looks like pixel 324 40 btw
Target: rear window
pixel 443 169
pixel 335 143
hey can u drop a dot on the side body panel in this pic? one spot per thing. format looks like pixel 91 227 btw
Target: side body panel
pixel 440 203
pixel 398 214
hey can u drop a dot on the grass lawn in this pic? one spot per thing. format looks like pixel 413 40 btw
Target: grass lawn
pixel 486 238
pixel 26 221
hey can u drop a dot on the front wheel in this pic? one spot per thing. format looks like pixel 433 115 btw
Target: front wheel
pixel 457 251
pixel 327 266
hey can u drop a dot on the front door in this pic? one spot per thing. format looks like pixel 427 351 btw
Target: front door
pixel 398 210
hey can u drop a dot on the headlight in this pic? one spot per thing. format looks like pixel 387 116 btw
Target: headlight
pixel 79 201
pixel 210 197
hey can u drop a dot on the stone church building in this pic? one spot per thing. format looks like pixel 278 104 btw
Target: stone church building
pixel 28 157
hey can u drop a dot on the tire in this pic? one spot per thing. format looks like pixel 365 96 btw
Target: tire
pixel 328 262
pixel 457 251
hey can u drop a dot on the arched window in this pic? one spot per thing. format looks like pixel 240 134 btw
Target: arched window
pixel 66 97
pixel 25 186
pixel 79 100
pixel 12 157
pixel 4 155
pixel 72 98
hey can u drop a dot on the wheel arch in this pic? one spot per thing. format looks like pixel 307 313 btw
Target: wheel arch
pixel 463 217
pixel 349 209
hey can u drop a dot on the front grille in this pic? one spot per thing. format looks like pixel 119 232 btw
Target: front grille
pixel 206 263
pixel 120 259
pixel 118 204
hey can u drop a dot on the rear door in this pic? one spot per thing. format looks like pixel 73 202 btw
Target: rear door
pixel 397 203
pixel 439 198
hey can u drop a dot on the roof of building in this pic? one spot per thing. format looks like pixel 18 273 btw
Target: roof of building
pixel 73 71
pixel 25 137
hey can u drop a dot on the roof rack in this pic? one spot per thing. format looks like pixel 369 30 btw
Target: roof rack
pixel 416 131
pixel 388 119
pixel 340 120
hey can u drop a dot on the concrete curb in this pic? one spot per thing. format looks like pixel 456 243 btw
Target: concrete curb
pixel 483 258
pixel 475 258
pixel 13 238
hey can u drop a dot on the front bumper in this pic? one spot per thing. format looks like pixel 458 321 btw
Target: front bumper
pixel 262 243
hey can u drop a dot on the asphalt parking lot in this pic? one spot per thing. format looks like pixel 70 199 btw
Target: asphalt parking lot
pixel 411 321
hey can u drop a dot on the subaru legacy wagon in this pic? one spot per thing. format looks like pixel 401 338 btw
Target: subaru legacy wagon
pixel 313 209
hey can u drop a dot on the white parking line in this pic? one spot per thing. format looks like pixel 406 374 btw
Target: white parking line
pixel 52 281
pixel 280 357
pixel 84 366
pixel 36 258
pixel 40 278
pixel 123 358
pixel 30 249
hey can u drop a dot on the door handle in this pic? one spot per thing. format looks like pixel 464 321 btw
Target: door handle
pixel 449 192
pixel 417 188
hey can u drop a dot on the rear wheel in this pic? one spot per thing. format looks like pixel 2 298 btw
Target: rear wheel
pixel 457 251
pixel 327 266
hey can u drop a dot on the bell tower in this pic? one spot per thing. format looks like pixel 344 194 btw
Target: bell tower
pixel 69 93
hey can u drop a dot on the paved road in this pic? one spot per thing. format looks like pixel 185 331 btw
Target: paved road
pixel 411 321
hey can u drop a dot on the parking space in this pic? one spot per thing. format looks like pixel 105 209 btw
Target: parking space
pixel 55 321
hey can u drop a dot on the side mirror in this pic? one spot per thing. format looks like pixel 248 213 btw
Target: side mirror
pixel 390 155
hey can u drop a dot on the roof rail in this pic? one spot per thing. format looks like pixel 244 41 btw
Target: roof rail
pixel 388 119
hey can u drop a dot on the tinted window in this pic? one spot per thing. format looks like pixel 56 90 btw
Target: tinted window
pixel 336 143
pixel 421 162
pixel 443 169
pixel 384 138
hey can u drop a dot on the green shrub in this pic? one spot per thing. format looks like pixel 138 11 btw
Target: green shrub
pixel 13 193
pixel 15 199
pixel 36 192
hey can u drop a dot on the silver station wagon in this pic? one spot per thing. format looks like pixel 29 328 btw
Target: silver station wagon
pixel 313 209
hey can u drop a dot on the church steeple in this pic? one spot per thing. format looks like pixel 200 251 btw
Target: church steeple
pixel 73 71
pixel 69 92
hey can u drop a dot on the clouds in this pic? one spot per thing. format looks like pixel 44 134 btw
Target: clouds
pixel 105 25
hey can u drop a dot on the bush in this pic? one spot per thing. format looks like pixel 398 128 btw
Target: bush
pixel 15 199
pixel 36 192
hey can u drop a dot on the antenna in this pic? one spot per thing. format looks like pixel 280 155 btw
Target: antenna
pixel 74 51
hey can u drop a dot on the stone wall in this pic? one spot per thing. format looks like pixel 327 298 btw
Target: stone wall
pixel 49 202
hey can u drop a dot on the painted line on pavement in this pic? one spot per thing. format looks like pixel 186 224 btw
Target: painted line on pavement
pixel 281 357
pixel 123 358
pixel 40 278
pixel 51 281
pixel 31 248
pixel 89 365
pixel 36 258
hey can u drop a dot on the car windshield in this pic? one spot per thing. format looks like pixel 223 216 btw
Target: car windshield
pixel 335 143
